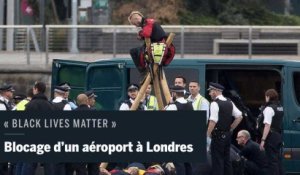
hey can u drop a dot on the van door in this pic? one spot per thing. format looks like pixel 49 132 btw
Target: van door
pixel 292 120
pixel 72 72
pixel 108 80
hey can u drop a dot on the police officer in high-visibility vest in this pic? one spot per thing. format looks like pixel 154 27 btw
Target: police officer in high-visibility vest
pixel 150 100
pixel 22 104
pixel 199 102
pixel 219 129
pixel 270 127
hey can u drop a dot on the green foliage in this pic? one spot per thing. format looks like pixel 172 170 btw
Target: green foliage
pixel 234 12
pixel 189 18
pixel 197 12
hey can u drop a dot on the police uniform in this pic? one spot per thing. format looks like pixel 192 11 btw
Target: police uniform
pixel 70 102
pixel 180 104
pixel 22 105
pixel 59 102
pixel 125 106
pixel 221 111
pixel 5 104
pixel 91 94
pixel 18 98
pixel 273 115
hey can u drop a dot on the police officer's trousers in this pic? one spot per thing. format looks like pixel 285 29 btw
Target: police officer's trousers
pixel 273 147
pixel 220 154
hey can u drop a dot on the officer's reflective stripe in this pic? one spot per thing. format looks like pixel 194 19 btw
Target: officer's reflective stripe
pixel 151 105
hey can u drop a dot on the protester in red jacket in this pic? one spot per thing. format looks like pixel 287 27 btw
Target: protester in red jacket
pixel 149 29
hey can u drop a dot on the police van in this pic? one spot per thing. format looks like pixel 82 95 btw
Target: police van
pixel 245 82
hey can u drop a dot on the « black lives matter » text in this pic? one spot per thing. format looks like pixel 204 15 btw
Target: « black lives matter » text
pixel 59 123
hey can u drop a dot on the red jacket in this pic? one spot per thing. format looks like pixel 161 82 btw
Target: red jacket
pixel 152 30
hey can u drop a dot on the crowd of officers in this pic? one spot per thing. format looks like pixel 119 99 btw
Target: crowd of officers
pixel 36 100
pixel 261 156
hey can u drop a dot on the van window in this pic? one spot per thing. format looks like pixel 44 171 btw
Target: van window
pixel 296 78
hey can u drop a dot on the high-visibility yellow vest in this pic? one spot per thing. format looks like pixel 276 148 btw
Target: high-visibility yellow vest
pixel 22 105
pixel 152 103
pixel 198 102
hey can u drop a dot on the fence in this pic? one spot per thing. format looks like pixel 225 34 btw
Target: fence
pixel 114 40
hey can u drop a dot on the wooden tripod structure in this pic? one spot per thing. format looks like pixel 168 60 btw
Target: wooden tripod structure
pixel 158 81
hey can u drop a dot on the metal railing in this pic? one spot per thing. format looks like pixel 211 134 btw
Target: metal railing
pixel 119 39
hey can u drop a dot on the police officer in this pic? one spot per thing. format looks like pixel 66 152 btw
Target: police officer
pixel 59 101
pixel 132 91
pixel 66 96
pixel 270 127
pixel 180 103
pixel 6 95
pixel 91 99
pixel 219 129
pixel 22 104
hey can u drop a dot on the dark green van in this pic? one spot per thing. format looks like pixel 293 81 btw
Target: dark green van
pixel 245 82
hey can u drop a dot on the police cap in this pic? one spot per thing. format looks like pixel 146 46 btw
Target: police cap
pixel 19 97
pixel 132 87
pixel 90 94
pixel 7 87
pixel 177 89
pixel 66 85
pixel 61 89
pixel 215 86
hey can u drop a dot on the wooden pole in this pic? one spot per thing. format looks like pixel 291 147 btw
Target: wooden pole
pixel 157 90
pixel 141 93
pixel 165 87
pixel 163 80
